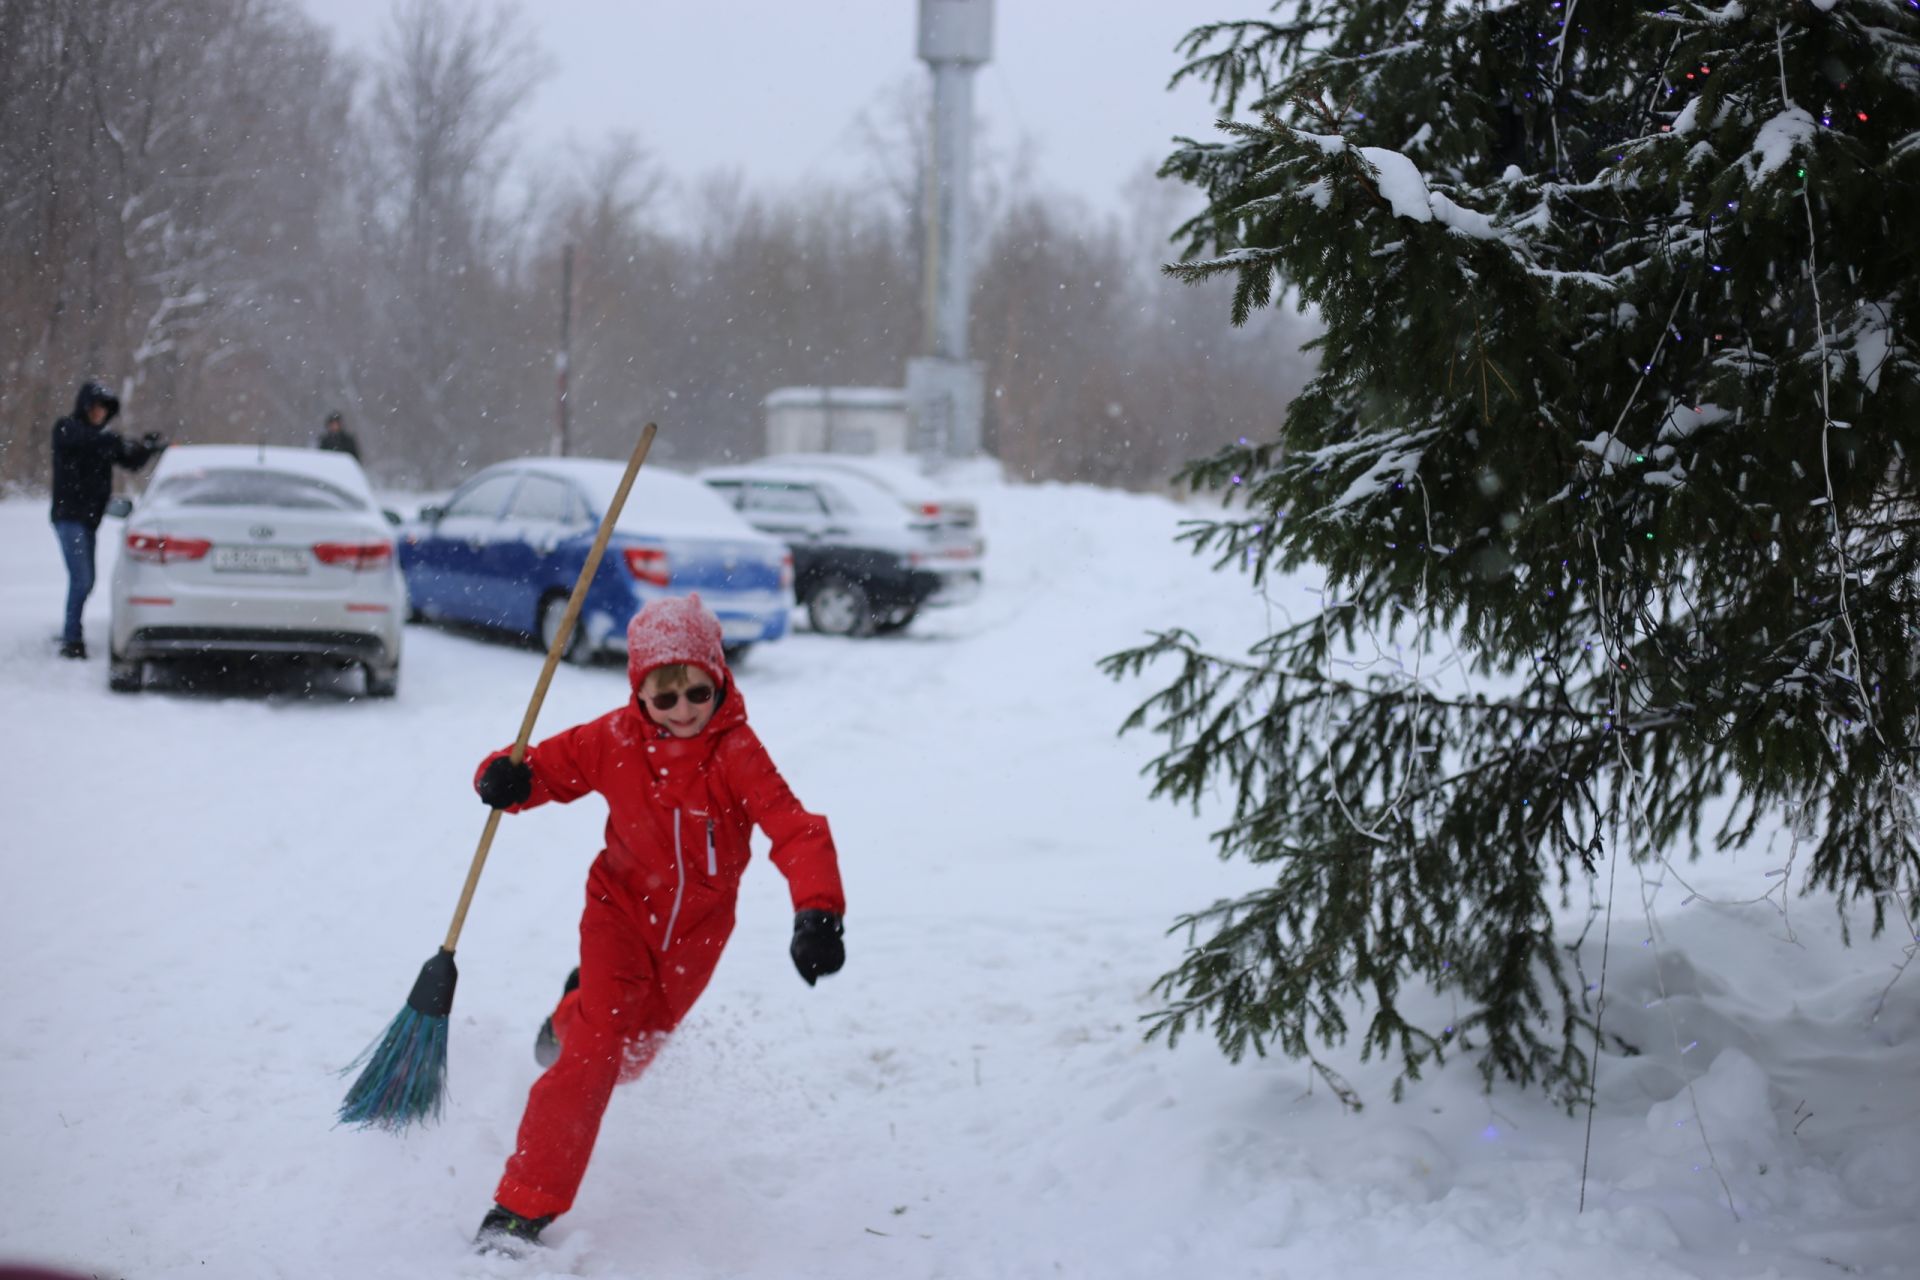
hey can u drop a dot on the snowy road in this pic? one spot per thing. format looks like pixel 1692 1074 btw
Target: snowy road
pixel 214 899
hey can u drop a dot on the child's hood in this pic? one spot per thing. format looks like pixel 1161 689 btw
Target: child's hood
pixel 676 629
pixel 681 629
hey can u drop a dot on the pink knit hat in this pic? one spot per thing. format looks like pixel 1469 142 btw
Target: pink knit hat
pixel 675 629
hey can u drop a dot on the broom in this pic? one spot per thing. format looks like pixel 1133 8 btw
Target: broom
pixel 405 1071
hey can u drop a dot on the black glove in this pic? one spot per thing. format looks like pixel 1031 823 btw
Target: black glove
pixel 154 441
pixel 504 784
pixel 817 949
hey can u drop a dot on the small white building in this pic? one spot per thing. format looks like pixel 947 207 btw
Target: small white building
pixel 837 420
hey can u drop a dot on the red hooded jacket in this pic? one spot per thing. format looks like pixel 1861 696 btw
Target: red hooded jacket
pixel 681 810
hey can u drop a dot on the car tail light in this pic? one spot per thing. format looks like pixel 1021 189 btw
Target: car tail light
pixel 357 556
pixel 648 564
pixel 786 571
pixel 160 548
pixel 930 509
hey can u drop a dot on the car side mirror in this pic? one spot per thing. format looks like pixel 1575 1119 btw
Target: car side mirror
pixel 393 517
pixel 431 514
pixel 120 506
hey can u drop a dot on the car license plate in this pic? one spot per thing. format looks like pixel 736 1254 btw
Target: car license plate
pixel 259 560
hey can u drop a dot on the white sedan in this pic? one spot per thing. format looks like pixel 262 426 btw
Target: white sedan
pixel 257 550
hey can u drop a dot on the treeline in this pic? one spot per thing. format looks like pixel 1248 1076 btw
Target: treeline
pixel 242 226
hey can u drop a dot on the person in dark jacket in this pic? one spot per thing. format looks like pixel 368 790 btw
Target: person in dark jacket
pixel 84 456
pixel 335 438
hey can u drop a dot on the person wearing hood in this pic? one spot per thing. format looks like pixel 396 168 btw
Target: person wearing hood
pixel 84 456
pixel 335 438
pixel 685 780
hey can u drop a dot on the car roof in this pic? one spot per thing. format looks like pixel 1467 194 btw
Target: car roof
pixel 661 501
pixel 897 473
pixel 866 496
pixel 337 469
pixel 763 471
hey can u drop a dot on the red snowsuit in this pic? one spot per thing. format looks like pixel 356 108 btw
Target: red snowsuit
pixel 660 896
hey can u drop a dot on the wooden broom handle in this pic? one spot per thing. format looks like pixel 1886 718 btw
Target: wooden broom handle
pixel 554 650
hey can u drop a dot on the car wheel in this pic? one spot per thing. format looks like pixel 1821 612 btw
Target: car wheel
pixel 382 682
pixel 898 620
pixel 840 607
pixel 736 654
pixel 553 610
pixel 124 676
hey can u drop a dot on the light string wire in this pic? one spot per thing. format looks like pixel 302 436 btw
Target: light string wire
pixel 1833 517
pixel 1637 805
pixel 1826 413
pixel 1414 680
pixel 1911 949
pixel 1599 1008
pixel 1553 86
pixel 1610 642
pixel 1797 827
pixel 1800 820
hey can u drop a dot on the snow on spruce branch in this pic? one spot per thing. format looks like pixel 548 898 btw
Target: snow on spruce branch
pixel 1404 187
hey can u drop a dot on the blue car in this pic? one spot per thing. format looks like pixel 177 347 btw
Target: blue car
pixel 506 547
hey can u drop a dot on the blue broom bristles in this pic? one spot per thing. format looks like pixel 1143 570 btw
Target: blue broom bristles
pixel 405 1077
pixel 406 1069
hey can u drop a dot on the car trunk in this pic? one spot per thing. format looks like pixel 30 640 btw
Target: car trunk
pixel 254 548
pixel 721 567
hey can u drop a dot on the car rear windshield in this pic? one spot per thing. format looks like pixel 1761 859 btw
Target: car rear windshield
pixel 231 487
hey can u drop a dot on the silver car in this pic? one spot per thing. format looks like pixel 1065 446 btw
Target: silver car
pixel 255 550
pixel 949 520
pixel 864 563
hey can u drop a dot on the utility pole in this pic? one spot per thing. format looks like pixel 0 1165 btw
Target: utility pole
pixel 564 356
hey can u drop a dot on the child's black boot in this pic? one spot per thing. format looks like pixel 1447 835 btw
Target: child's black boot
pixel 507 1234
pixel 546 1045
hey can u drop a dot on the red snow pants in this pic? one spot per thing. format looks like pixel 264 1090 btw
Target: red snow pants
pixel 631 994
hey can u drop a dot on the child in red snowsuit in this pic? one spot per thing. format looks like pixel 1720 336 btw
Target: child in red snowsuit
pixel 685 780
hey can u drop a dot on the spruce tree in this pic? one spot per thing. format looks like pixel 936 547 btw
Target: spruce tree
pixel 1616 401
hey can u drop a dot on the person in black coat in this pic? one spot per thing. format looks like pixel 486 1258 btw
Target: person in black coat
pixel 84 456
pixel 335 438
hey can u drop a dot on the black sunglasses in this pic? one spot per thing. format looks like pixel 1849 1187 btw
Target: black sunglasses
pixel 699 695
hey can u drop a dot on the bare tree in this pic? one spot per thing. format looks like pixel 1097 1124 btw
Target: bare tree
pixel 1101 370
pixel 167 180
pixel 195 209
pixel 893 135
pixel 449 82
pixel 624 284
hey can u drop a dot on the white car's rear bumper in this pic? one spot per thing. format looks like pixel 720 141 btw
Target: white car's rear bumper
pixel 172 621
pixel 163 641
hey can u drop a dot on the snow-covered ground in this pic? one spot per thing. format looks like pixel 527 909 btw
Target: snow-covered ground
pixel 214 899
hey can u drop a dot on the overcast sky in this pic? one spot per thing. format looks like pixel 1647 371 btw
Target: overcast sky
pixel 770 88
